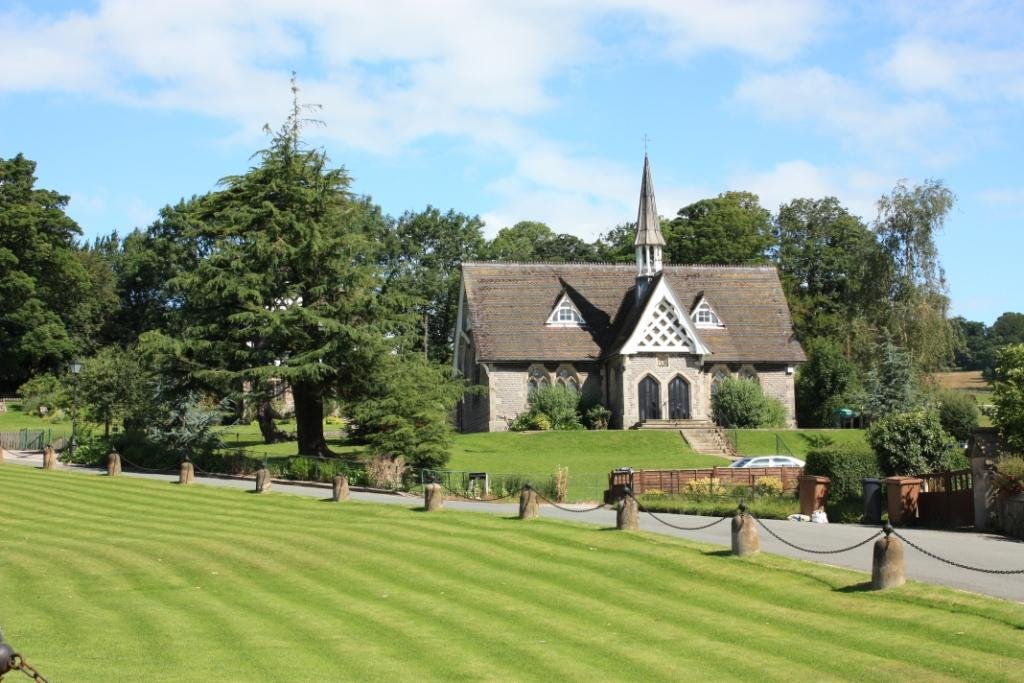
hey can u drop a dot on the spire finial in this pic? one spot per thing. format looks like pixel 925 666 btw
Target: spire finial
pixel 646 140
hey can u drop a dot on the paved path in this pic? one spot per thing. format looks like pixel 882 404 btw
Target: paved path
pixel 984 550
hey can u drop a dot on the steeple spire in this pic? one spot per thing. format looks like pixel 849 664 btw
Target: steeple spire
pixel 649 239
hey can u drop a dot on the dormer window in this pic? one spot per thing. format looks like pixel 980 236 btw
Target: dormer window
pixel 565 314
pixel 704 316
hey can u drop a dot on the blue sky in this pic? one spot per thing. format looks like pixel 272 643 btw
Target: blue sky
pixel 537 110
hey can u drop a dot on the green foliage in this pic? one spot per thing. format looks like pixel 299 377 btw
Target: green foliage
pixel 45 391
pixel 408 413
pixel 560 404
pixel 742 403
pixel 535 241
pixel 731 228
pixel 822 255
pixel 423 254
pixel 892 384
pixel 958 413
pixel 845 465
pixel 114 386
pixel 44 285
pixel 1008 395
pixel 822 383
pixel 530 421
pixel 1009 477
pixel 597 417
pixel 911 443
pixel 186 424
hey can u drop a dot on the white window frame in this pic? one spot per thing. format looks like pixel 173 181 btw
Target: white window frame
pixel 714 321
pixel 565 308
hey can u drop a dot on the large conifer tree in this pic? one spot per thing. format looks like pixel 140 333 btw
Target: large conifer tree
pixel 285 287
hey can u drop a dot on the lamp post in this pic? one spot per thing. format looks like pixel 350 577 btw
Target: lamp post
pixel 76 367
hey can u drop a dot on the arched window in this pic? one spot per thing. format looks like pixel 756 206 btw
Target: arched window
pixel 537 378
pixel 717 375
pixel 567 377
pixel 748 372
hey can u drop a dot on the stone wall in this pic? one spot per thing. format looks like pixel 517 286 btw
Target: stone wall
pixel 663 367
pixel 776 383
pixel 507 388
pixel 1012 516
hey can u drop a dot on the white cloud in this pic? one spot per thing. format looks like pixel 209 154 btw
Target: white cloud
pixel 857 189
pixel 1006 196
pixel 958 70
pixel 838 106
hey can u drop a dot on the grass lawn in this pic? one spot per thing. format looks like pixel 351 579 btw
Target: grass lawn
pixel 590 456
pixel 971 382
pixel 762 441
pixel 122 579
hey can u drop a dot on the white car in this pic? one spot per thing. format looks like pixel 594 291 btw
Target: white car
pixel 768 461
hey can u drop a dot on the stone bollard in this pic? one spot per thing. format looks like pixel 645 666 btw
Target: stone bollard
pixel 627 513
pixel 113 463
pixel 340 488
pixel 49 458
pixel 262 480
pixel 744 534
pixel 433 497
pixel 529 503
pixel 2 454
pixel 187 473
pixel 887 567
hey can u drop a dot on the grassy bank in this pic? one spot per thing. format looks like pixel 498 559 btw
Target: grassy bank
pixel 121 579
pixel 799 441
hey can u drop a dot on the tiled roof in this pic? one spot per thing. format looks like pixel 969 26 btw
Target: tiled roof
pixel 508 304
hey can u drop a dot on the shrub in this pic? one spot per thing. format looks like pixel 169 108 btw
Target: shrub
pixel 1009 476
pixel 911 443
pixel 559 404
pixel 560 482
pixel 742 403
pixel 822 382
pixel 768 486
pixel 701 488
pixel 845 465
pixel 958 413
pixel 597 417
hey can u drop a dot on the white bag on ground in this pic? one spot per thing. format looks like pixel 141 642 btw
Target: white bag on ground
pixel 819 517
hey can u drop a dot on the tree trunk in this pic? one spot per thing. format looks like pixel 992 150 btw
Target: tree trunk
pixel 265 416
pixel 309 419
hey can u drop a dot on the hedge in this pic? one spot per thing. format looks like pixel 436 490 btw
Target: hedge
pixel 845 465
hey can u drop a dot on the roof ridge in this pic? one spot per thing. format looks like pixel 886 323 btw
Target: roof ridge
pixel 710 266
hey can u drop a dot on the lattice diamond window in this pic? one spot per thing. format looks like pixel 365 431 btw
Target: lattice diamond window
pixel 665 329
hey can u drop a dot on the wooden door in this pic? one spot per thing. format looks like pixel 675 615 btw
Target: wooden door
pixel 649 395
pixel 678 399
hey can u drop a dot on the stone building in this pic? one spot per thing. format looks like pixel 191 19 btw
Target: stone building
pixel 649 341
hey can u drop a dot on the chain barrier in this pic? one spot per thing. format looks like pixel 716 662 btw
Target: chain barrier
pixel 567 509
pixel 670 524
pixel 147 469
pixel 454 493
pixel 13 661
pixel 812 550
pixel 951 563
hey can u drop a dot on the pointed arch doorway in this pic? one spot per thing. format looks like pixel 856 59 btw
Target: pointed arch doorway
pixel 678 399
pixel 649 399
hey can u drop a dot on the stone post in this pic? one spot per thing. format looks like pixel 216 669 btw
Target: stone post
pixel 813 492
pixel 433 497
pixel 340 488
pixel 744 534
pixel 902 494
pixel 529 503
pixel 262 480
pixel 887 566
pixel 627 513
pixel 49 458
pixel 187 473
pixel 2 454
pixel 113 463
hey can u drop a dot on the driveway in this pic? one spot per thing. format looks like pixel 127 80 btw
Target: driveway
pixel 983 550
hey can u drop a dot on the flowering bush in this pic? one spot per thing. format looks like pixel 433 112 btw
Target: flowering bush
pixel 1009 476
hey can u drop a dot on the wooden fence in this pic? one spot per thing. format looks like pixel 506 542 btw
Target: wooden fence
pixel 947 499
pixel 675 481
